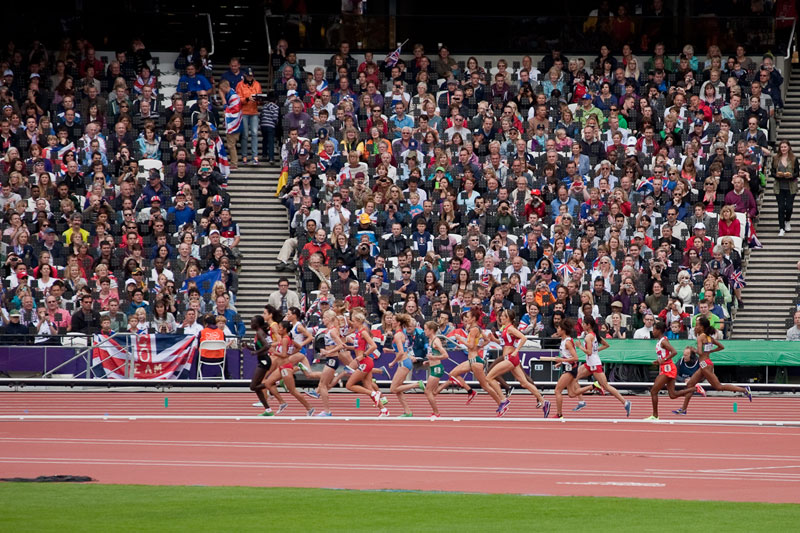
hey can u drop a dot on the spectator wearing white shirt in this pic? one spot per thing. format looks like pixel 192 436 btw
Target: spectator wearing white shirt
pixel 338 214
pixel 793 333
pixel 646 331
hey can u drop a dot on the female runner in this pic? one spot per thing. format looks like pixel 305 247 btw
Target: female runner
pixel 330 354
pixel 568 359
pixel 706 345
pixel 474 363
pixel 404 358
pixel 260 349
pixel 667 369
pixel 360 380
pixel 271 318
pixel 593 365
pixel 513 339
pixel 436 355
pixel 282 352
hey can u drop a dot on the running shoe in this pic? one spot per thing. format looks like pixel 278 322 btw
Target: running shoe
pixel 313 394
pixel 471 395
pixel 282 407
pixel 509 391
pixel 651 418
pixel 546 409
pixel 385 371
pixel 406 415
pixel 680 411
pixel 310 412
pixel 504 402
pixel 268 412
pixel 598 388
pixel 503 408
pixel 348 369
pixel 376 398
pixel 454 381
pixel 281 384
pixel 559 417
pixel 580 406
pixel 628 408
pixel 384 400
pixel 257 404
pixel 384 413
pixel 700 390
pixel 434 416
pixel 325 414
pixel 421 385
pixel 303 367
pixel 748 393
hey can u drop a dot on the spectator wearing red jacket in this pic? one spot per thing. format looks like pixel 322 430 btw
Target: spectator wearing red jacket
pixel 318 244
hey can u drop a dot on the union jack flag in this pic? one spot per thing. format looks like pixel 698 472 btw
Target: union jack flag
pixel 737 279
pixel 564 269
pixel 392 59
pixel 233 112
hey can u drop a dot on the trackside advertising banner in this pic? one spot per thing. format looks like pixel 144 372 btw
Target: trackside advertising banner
pixel 158 356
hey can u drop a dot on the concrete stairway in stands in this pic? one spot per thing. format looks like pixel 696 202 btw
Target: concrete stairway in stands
pixel 771 272
pixel 262 221
pixel 264 228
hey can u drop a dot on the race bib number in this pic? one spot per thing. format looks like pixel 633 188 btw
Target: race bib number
pixel 362 367
pixel 703 364
pixel 331 362
pixel 667 368
pixel 285 372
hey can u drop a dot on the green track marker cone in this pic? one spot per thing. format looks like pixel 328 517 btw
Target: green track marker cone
pixel 735 407
pixel 358 403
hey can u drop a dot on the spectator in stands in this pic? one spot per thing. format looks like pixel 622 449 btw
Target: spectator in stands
pixel 247 89
pixel 741 198
pixel 786 169
pixel 191 82
pixel 283 298
pixel 85 319
pixel 793 333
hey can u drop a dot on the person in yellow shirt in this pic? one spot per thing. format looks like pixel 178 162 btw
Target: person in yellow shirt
pixel 247 89
pixel 75 223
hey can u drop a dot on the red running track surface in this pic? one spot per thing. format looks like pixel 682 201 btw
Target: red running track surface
pixel 706 460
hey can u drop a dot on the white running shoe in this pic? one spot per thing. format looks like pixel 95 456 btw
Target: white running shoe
pixel 788 226
pixel 781 233
pixel 257 404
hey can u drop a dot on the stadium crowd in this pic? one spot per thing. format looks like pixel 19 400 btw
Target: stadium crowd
pixel 115 213
pixel 615 186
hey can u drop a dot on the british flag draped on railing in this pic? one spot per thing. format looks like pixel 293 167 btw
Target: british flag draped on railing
pixel 157 356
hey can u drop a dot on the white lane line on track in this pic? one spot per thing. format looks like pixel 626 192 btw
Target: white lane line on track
pixel 395 448
pixel 612 483
pixel 134 416
pixel 391 468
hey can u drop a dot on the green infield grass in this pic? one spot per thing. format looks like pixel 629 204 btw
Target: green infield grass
pixel 94 507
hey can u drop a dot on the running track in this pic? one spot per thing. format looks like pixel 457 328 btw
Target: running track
pixel 212 438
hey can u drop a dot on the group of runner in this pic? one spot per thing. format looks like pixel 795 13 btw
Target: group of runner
pixel 346 347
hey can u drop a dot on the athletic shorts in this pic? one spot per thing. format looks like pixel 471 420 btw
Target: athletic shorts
pixel 479 360
pixel 707 362
pixel 670 370
pixel 366 365
pixel 513 359
pixel 573 371
pixel 332 362
pixel 598 369
pixel 407 363
pixel 437 371
pixel 265 362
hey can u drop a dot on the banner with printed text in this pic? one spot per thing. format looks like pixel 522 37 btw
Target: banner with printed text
pixel 158 356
